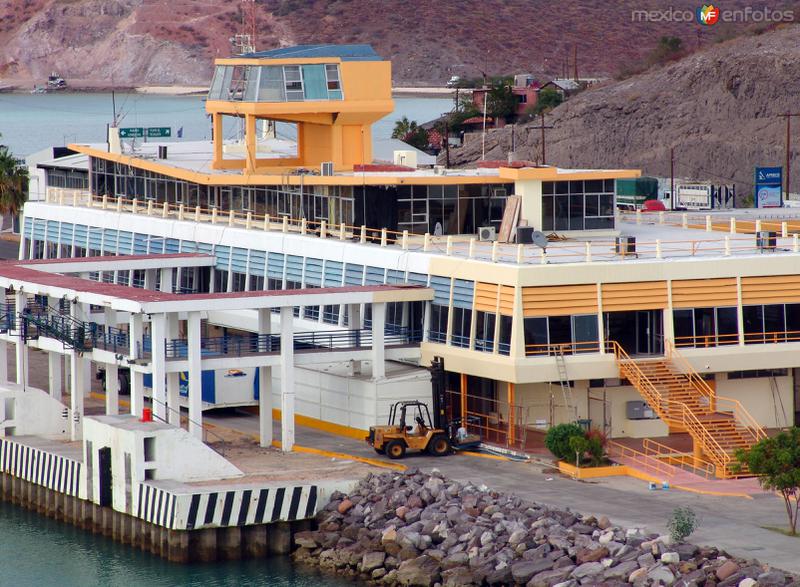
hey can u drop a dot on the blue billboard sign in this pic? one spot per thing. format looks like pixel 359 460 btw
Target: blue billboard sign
pixel 768 187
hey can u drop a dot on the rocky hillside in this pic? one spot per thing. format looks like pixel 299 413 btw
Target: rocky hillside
pixel 719 109
pixel 156 42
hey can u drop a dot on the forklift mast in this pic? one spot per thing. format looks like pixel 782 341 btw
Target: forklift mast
pixel 439 393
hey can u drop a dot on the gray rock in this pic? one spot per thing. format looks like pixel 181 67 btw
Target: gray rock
pixel 457 577
pixel 621 571
pixel 422 571
pixel 372 560
pixel 551 577
pixel 523 571
pixel 456 559
pixel 771 579
pixel 661 574
pixel 646 560
pixel 588 570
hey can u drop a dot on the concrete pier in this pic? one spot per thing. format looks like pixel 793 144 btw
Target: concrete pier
pixel 178 546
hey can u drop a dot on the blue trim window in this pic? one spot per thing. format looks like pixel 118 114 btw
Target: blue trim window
pixel 437 331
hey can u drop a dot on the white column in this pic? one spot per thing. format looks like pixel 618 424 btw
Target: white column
pixel 166 280
pixel 150 278
pixel 21 347
pixel 378 347
pixel 54 375
pixel 135 331
pixel 158 334
pixel 195 375
pixel 173 379
pixel 287 379
pixel 77 383
pixel 4 344
pixel 265 385
pixel 354 323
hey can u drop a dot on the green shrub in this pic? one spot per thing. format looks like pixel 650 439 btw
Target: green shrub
pixel 682 523
pixel 557 440
pixel 579 446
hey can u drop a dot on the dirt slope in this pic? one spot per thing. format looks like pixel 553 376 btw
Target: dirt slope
pixel 173 41
pixel 718 108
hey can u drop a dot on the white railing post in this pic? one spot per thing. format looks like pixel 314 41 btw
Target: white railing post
pixel 197 213
pixel 105 201
pixel 661 217
pixel 119 204
pixel 214 215
pixel 471 253
pixel 404 242
pixel 134 206
pixel 733 225
pixel 248 223
pixel 758 225
pixel 60 197
pixel 520 254
pixel 303 226
pixel 266 222
pixel 658 248
pixel 638 216
pixel 495 248
pixel 709 226
pixel 588 252
pixel 74 198
pixel 426 242
pixel 795 243
pixel 231 217
pixel 384 238
pixel 449 245
pixel 342 231
pixel 543 257
pixel 149 207
pixel 181 210
pixel 727 246
pixel 685 220
pixel 323 229
pixel 285 224
pixel 165 210
pixel 363 236
pixel 784 230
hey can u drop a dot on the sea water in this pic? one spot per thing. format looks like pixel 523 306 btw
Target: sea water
pixel 32 122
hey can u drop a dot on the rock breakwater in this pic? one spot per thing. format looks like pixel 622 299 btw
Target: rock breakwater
pixel 423 530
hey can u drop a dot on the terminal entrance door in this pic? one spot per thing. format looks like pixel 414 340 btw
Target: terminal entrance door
pixel 638 332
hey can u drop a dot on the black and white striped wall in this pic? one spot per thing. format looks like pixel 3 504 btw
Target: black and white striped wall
pixel 41 467
pixel 235 507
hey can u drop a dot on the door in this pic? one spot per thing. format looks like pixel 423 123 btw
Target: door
pixel 104 474
pixel 649 333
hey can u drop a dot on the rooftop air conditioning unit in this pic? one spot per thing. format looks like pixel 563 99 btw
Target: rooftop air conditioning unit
pixel 487 234
pixel 766 240
pixel 326 168
pixel 439 170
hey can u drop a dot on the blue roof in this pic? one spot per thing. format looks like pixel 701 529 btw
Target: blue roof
pixel 344 52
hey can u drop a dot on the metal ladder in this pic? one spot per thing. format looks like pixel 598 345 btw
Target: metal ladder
pixel 566 388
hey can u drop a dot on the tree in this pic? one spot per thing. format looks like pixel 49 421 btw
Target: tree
pixel 410 132
pixel 557 440
pixel 13 183
pixel 501 101
pixel 776 461
pixel 548 99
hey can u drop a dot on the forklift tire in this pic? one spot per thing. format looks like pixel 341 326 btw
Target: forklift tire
pixel 380 451
pixel 395 449
pixel 439 446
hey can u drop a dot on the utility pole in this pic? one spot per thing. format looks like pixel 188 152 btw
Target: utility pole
pixel 672 178
pixel 542 127
pixel 575 61
pixel 787 171
pixel 447 144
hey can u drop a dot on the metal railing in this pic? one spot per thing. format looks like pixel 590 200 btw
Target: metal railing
pixel 690 462
pixel 566 348
pixel 459 245
pixel 639 459
pixel 206 430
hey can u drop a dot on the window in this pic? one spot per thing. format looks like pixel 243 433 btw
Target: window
pixel 332 79
pixel 461 325
pixel 504 343
pixel 766 324
pixel 535 336
pixel 437 331
pixel 753 373
pixel 578 205
pixel 705 327
pixel 238 281
pixel 569 334
pixel 484 331
pixel 293 82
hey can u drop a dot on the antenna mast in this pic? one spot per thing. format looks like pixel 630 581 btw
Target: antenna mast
pixel 245 41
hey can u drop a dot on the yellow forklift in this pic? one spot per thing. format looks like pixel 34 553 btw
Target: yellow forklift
pixel 409 428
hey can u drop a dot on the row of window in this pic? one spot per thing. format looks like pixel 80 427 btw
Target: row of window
pixel 578 205
pixel 488 329
pixel 288 83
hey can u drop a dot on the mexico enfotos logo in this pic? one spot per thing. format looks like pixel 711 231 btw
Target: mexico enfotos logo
pixel 710 14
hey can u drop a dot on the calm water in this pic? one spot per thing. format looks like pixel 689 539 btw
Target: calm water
pixel 31 122
pixel 38 552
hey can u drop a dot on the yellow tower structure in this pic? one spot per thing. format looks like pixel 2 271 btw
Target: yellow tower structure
pixel 332 93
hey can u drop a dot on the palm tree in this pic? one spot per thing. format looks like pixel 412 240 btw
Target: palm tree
pixel 404 128
pixel 13 183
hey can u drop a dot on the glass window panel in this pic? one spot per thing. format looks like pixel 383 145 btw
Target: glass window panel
pixel 251 87
pixel 576 187
pixel 683 324
pixel 562 187
pixel 584 330
pixel 609 186
pixel 535 335
pixel 607 205
pixel 270 85
pixel 793 321
pixel 547 213
pixel 332 76
pixel 774 323
pixel 548 187
pixel 315 86
pixel 559 329
pixel 576 212
pixel 593 186
pixel 562 212
pixel 215 93
pixel 293 82
pixel 592 205
pixel 753 323
pixel 727 326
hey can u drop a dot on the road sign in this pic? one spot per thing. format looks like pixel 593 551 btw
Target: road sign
pixel 769 181
pixel 158 132
pixel 133 132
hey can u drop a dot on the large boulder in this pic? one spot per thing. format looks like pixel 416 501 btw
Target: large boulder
pixel 422 571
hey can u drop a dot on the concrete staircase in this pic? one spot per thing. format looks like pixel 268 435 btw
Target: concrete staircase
pixel 682 399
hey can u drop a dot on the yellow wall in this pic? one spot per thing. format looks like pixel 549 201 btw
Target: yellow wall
pixel 757 398
pixel 620 425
